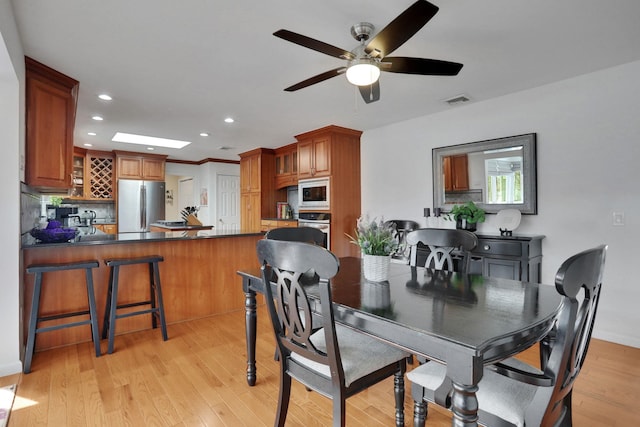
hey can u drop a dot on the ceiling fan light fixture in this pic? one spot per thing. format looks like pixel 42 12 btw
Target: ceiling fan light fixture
pixel 363 72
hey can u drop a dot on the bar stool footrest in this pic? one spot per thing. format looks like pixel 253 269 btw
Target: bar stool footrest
pixel 136 313
pixel 66 325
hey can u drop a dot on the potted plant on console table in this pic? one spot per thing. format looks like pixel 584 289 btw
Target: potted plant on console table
pixel 467 216
pixel 376 241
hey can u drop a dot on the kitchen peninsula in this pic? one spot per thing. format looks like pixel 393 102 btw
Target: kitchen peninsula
pixel 198 275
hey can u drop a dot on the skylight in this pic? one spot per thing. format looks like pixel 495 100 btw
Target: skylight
pixel 130 138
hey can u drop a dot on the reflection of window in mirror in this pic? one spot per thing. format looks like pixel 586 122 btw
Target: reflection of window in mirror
pixel 503 176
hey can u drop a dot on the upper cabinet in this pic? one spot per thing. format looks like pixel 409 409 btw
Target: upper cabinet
pixel 50 118
pixel 79 168
pixel 100 175
pixel 287 166
pixel 140 166
pixel 93 173
pixel 455 170
pixel 314 155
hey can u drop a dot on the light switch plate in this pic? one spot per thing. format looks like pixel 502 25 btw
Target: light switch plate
pixel 618 219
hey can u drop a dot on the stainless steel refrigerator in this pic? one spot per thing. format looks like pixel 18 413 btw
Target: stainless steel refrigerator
pixel 140 203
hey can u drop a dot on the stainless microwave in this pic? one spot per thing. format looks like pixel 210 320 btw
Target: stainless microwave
pixel 314 193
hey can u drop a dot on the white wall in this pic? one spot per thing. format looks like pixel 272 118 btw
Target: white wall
pixel 11 143
pixel 588 140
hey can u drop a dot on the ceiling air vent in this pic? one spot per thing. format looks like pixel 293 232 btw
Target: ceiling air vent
pixel 458 99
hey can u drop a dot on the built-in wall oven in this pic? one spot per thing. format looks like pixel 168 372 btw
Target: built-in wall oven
pixel 319 220
pixel 314 193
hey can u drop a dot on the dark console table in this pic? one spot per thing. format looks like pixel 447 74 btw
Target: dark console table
pixel 517 257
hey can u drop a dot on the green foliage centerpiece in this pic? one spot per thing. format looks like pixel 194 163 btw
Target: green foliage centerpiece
pixel 377 243
pixel 467 216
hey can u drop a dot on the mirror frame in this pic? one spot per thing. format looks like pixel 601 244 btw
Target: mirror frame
pixel 529 170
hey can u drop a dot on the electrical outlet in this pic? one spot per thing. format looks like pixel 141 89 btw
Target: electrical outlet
pixel 618 219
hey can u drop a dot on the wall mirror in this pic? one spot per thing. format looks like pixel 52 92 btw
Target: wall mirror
pixel 495 174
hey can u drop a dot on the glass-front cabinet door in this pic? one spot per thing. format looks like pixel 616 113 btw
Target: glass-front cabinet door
pixel 77 191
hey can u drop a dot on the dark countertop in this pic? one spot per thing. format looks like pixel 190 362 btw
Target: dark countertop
pixel 182 226
pixel 29 242
pixel 105 221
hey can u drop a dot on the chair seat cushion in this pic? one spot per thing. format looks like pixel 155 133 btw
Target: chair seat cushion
pixel 498 395
pixel 360 354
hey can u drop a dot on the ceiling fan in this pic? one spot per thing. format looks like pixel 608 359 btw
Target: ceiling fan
pixel 367 60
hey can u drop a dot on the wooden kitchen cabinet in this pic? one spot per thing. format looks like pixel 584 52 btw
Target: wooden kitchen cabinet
pixel 130 165
pixel 93 173
pixel 456 173
pixel 314 157
pixel 257 187
pixel 286 166
pixel 334 152
pixel 100 183
pixel 269 224
pixel 51 99
pixel 79 173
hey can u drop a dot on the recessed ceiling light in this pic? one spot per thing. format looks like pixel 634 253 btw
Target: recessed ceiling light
pixel 105 97
pixel 150 148
pixel 98 118
pixel 91 133
pixel 148 140
pixel 204 134
pixel 88 145
pixel 229 120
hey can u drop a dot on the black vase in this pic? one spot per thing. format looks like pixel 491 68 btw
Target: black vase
pixel 463 224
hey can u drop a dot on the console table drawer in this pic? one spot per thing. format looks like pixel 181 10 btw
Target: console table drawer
pixel 495 247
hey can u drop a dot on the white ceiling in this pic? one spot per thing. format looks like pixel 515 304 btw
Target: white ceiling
pixel 177 68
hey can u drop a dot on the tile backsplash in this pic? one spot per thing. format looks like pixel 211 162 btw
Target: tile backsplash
pixel 30 208
pixel 33 206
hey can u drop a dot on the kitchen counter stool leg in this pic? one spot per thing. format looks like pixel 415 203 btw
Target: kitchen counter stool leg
pixel 35 319
pixel 155 302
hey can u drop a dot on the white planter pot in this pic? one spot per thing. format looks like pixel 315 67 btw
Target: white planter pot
pixel 376 267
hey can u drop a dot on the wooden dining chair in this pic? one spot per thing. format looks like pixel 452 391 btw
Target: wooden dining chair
pixel 334 361
pixel 297 234
pixel 517 394
pixel 441 243
pixel 402 227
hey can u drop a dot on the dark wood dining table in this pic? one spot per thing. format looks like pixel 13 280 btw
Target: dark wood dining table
pixel 463 321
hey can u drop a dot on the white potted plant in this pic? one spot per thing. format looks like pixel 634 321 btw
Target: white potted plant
pixel 377 243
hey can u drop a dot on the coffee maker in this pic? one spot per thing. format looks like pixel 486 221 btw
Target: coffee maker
pixel 68 215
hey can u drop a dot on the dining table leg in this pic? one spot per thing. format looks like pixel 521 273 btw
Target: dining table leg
pixel 250 321
pixel 464 405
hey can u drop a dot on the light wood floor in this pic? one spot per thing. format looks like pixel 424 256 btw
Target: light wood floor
pixel 197 378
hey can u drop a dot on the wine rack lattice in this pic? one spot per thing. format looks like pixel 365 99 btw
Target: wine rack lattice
pixel 101 183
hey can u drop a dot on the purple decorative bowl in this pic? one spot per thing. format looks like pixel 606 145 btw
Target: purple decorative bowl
pixel 53 224
pixel 54 235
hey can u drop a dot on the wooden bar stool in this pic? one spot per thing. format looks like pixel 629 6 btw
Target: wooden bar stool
pixel 34 320
pixel 155 301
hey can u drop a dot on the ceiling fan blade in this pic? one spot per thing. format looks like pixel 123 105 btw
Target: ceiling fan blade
pixel 401 29
pixel 317 79
pixel 423 66
pixel 313 44
pixel 370 93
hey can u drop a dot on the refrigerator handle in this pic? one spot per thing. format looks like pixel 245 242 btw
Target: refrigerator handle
pixel 143 207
